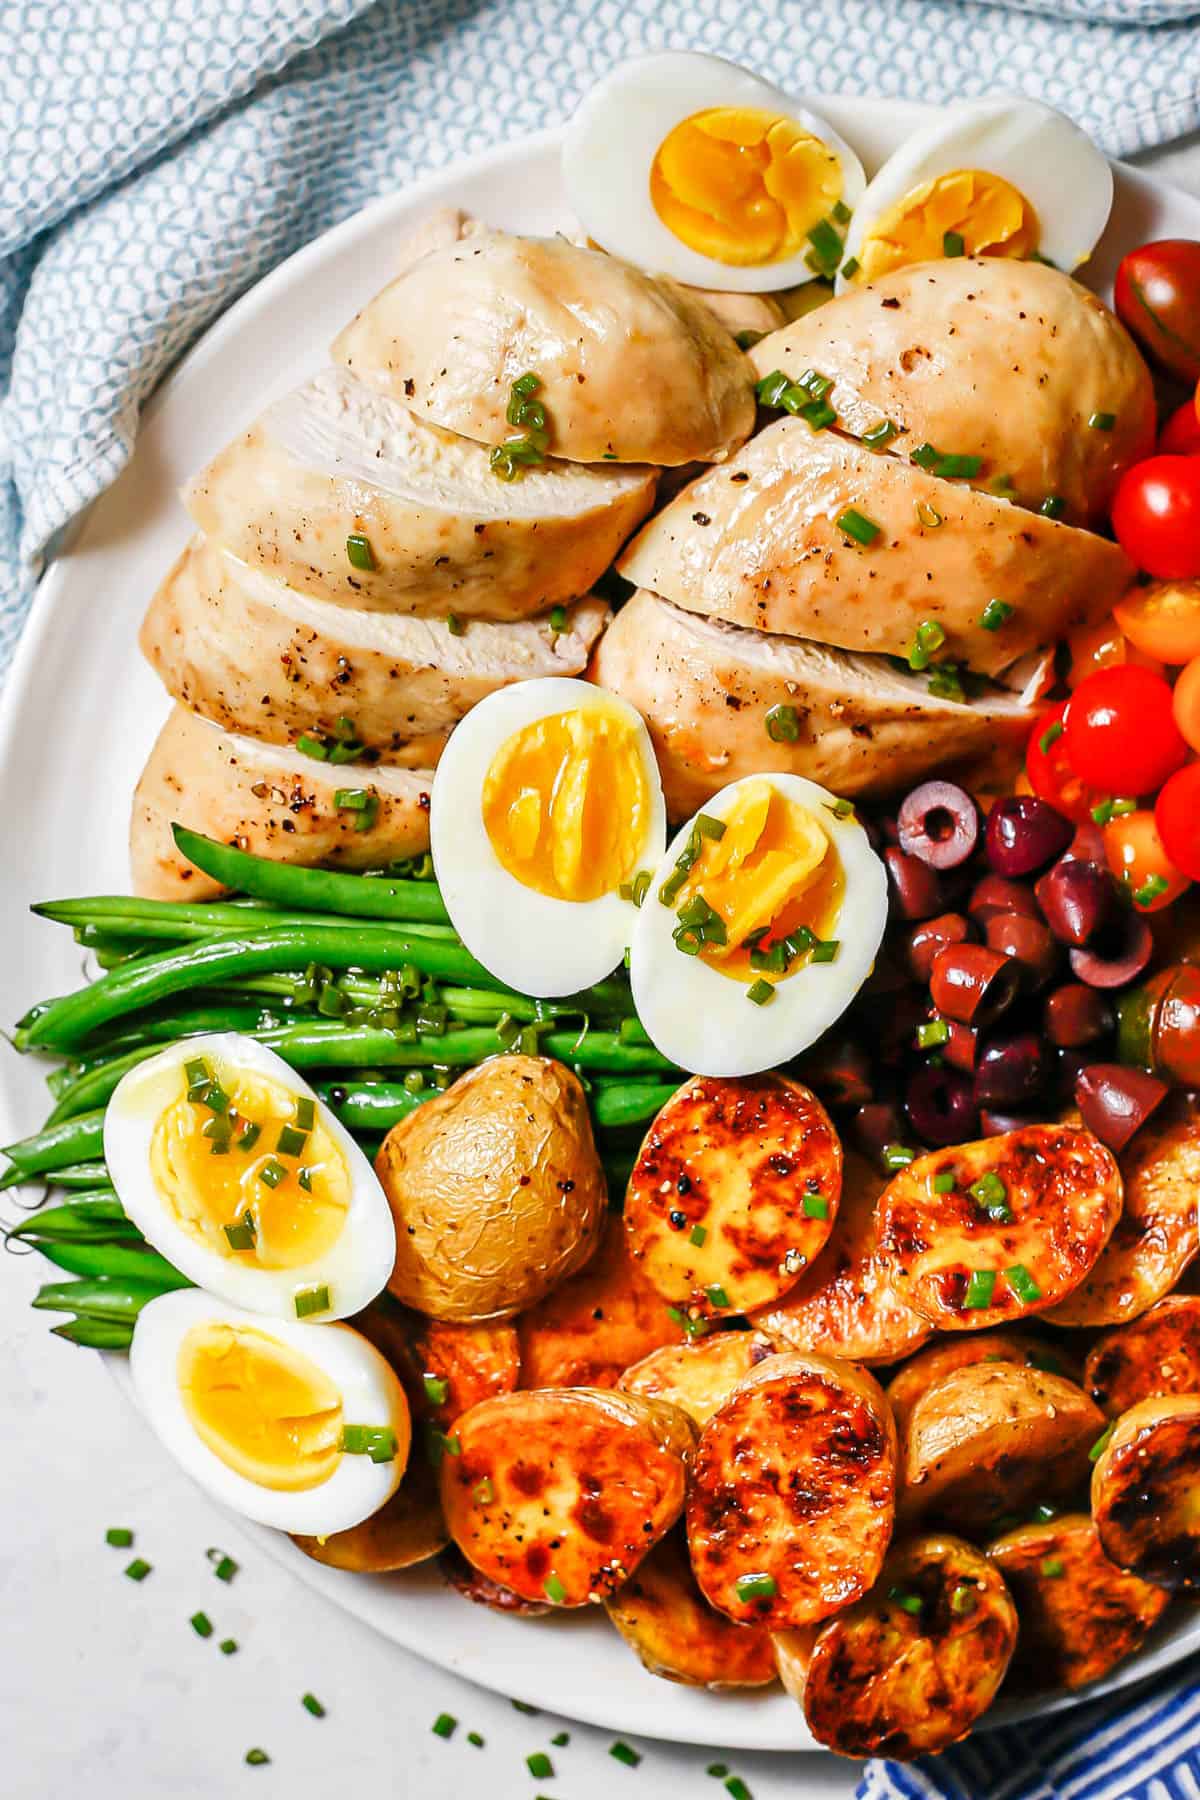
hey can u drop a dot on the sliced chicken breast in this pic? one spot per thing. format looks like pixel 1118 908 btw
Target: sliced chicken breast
pixel 758 542
pixel 271 801
pixel 255 656
pixel 990 357
pixel 444 533
pixel 631 367
pixel 705 690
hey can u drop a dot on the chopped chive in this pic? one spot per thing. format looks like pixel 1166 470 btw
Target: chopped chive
pixel 825 950
pixel 560 1739
pixel 376 1441
pixel 558 620
pixel 929 636
pixel 737 1787
pixel 622 1753
pixel 856 525
pixel 963 1599
pixel 815 1206
pixel 760 992
pixel 224 1567
pixel 840 212
pixel 989 1190
pixel 311 1300
pixel 909 1602
pixel 523 1706
pixel 783 724
pixel 306 1112
pixel 138 1569
pixel 1054 1566
pixel 1101 1444
pixel 880 434
pixel 944 1183
pixel 697 1235
pixel 437 1389
pixel 473 1737
pixel 1053 506
pixel 554 1590
pixel 1151 888
pixel 271 1173
pixel 841 809
pixel 119 1537
pixel 1102 421
pixel 249 1137
pixel 771 389
pixel 932 1033
pixel 826 246
pixel 994 614
pixel 1050 736
pixel 720 1770
pixel 291 1141
pixel 1022 1283
pixel 454 625
pixel 540 1766
pixel 256 1758
pixel 953 244
pixel 897 1156
pixel 228 1646
pixel 359 553
pixel 1044 1512
pixel 201 1624
pixel 304 1177
pixel 717 1295
pixel 850 268
pixel 755 1587
pixel 445 1725
pixel 312 1705
pixel 980 1288
pixel 363 802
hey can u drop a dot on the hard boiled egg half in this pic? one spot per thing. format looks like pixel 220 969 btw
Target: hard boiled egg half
pixel 546 804
pixel 759 927
pixel 234 1170
pixel 693 167
pixel 1008 177
pixel 298 1426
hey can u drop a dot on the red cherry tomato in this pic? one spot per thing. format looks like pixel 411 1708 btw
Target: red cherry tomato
pixel 1156 516
pixel 1180 436
pixel 1120 735
pixel 1137 857
pixel 1158 299
pixel 1177 816
pixel 1050 775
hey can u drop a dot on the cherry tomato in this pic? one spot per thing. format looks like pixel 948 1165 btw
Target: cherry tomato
pixel 1158 299
pixel 1180 436
pixel 1156 515
pixel 1163 619
pixel 1185 704
pixel 1102 646
pixel 1049 775
pixel 1177 816
pixel 1137 858
pixel 1119 734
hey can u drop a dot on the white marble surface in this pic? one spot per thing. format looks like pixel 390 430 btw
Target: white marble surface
pixel 105 1689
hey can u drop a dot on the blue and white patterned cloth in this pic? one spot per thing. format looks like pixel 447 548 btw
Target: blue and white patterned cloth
pixel 159 156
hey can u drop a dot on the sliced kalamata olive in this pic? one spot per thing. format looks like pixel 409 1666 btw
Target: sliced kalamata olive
pixel 916 892
pixel 999 1124
pixel 1088 843
pixel 940 1106
pixel 1077 1015
pixel 1076 898
pixel 1024 834
pixel 939 823
pixel 1028 942
pixel 1119 954
pixel 995 894
pixel 961 1048
pixel 926 939
pixel 972 983
pixel 1114 1101
pixel 1010 1069
pixel 839 1069
pixel 1065 1067
pixel 877 1123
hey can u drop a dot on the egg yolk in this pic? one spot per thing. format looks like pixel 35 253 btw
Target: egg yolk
pixel 270 1413
pixel 773 869
pixel 245 1180
pixel 566 803
pixel 990 216
pixel 743 185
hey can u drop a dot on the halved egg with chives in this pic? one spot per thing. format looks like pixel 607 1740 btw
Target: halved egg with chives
pixel 235 1171
pixel 759 926
pixel 695 168
pixel 298 1426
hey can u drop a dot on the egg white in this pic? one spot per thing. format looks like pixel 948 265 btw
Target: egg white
pixel 702 1019
pixel 614 136
pixel 354 1268
pixel 534 942
pixel 371 1395
pixel 1038 150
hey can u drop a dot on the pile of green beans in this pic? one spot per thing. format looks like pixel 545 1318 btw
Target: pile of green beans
pixel 359 980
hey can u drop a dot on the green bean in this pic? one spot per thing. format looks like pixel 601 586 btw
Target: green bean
pixel 312 890
pixel 97 1297
pixel 97 1087
pixel 106 920
pixel 95 1334
pixel 123 1262
pixel 328 1043
pixel 55 1147
pixel 374 1106
pixel 98 1218
pixel 76 1176
pixel 632 1103
pixel 108 949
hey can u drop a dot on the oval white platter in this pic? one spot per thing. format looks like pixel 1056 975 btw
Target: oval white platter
pixel 80 712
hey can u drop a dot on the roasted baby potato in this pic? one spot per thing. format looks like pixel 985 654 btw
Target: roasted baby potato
pixel 793 1492
pixel 850 1303
pixel 1028 1215
pixel 1156 1354
pixel 1080 1614
pixel 481 1590
pixel 496 1190
pixel 734 1192
pixel 992 1437
pixel 911 1668
pixel 408 1529
pixel 661 1613
pixel 445 1367
pixel 1146 1491
pixel 559 1494
pixel 595 1325
pixel 933 1364
pixel 1158 1233
pixel 699 1377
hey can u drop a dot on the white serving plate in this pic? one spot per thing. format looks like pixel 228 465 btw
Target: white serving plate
pixel 78 717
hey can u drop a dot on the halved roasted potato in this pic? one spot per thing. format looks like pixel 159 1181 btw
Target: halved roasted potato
pixel 661 1613
pixel 481 1590
pixel 793 1492
pixel 595 1325
pixel 698 1377
pixel 1146 1491
pixel 408 1529
pixel 940 1359
pixel 1156 1354
pixel 559 1494
pixel 909 1669
pixel 1080 1614
pixel 1028 1215
pixel 733 1193
pixel 992 1437
pixel 850 1303
pixel 445 1367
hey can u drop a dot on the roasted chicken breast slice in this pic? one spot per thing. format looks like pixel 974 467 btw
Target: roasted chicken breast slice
pixel 443 533
pixel 256 656
pixel 706 691
pixel 630 366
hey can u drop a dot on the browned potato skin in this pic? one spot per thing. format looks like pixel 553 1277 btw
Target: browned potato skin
pixel 1158 1233
pixel 475 1361
pixel 1157 1354
pixel 1078 1625
pixel 881 1681
pixel 663 1616
pixel 1064 1190
pixel 481 1590
pixel 737 1157
pixel 932 1365
pixel 589 1330
pixel 992 1437
pixel 698 1378
pixel 581 1483
pixel 407 1529
pixel 1146 1492
pixel 496 1190
pixel 850 1303
pixel 794 1477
